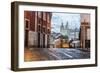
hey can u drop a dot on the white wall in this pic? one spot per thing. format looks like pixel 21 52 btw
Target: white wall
pixel 5 31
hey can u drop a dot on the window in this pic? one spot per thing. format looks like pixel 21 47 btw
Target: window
pixel 88 33
pixel 39 14
pixel 48 31
pixel 43 29
pixel 27 24
pixel 39 29
pixel 48 18
pixel 39 20
pixel 44 16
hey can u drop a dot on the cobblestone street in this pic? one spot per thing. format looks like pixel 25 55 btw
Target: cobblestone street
pixel 41 54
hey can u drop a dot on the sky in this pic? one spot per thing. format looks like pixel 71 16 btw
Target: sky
pixel 59 18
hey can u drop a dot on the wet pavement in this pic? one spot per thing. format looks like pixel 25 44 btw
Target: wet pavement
pixel 33 55
pixel 39 54
pixel 70 54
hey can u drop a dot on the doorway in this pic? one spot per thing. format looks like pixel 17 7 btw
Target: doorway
pixel 26 33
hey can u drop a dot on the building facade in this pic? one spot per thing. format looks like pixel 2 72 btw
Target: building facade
pixel 69 32
pixel 37 29
pixel 85 32
pixel 85 35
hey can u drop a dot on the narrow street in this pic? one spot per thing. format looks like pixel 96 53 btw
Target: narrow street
pixel 70 54
pixel 41 54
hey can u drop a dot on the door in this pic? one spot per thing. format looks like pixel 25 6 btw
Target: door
pixel 26 38
pixel 43 40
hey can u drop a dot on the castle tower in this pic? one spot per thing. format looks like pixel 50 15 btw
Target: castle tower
pixel 66 26
pixel 64 29
pixel 61 28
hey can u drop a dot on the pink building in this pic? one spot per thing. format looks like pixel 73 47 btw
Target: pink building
pixel 37 29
